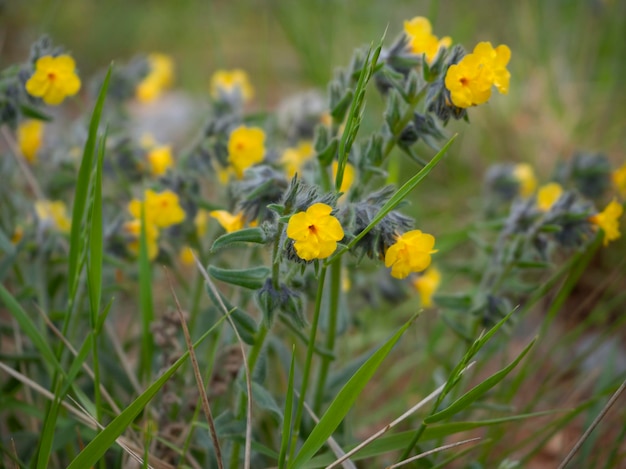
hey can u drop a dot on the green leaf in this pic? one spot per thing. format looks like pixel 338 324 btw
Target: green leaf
pixel 287 420
pixel 344 400
pixel 252 278
pixel 246 326
pixel 472 395
pixel 34 113
pixel 247 235
pixel 262 398
pixel 461 302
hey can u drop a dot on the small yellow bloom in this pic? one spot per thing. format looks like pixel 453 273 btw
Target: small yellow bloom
pixel 229 82
pixel 18 234
pixel 54 79
pixel 619 179
pixel 160 160
pixel 548 195
pixel 53 213
pixel 348 176
pixel 161 209
pixel 133 229
pixel 186 256
pixel 29 138
pixel 410 253
pixel 427 284
pixel 315 232
pixel 525 176
pixel 159 78
pixel 200 221
pixel 295 157
pixel 246 147
pixel 422 40
pixel 228 221
pixel 496 61
pixel 608 221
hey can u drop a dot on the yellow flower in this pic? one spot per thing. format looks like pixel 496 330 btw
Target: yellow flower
pixel 410 253
pixel 294 158
pixel 29 138
pixel 608 221
pixel 160 160
pixel 228 221
pixel 426 285
pixel 315 232
pixel 231 82
pixel 133 228
pixel 54 79
pixel 186 256
pixel 619 179
pixel 54 214
pixel 200 221
pixel 161 209
pixel 422 40
pixel 525 176
pixel 496 60
pixel 348 176
pixel 246 147
pixel 159 78
pixel 18 234
pixel 548 195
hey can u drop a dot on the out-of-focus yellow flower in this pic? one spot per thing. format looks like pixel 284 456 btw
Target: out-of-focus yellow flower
pixel 548 195
pixel 54 79
pixel 295 157
pixel 159 78
pixel 186 256
pixel 133 229
pixel 470 81
pixel 525 176
pixel 53 213
pixel 346 283
pixel 18 234
pixel 200 221
pixel 422 40
pixel 29 138
pixel 427 284
pixel 608 221
pixel 619 179
pixel 228 221
pixel 230 82
pixel 161 209
pixel 348 176
pixel 160 160
pixel 315 232
pixel 246 147
pixel 410 253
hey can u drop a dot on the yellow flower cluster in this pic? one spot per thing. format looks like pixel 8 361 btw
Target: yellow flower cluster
pixel 231 82
pixel 470 81
pixel 315 232
pixel 246 147
pixel 53 213
pixel 608 221
pixel 294 158
pixel 410 253
pixel 160 77
pixel 422 40
pixel 29 139
pixel 54 79
pixel 161 210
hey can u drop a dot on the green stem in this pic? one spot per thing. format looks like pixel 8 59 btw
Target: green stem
pixel 331 333
pixel 307 364
pixel 275 259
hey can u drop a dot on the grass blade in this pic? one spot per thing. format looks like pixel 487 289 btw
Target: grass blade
pixel 145 300
pixel 286 432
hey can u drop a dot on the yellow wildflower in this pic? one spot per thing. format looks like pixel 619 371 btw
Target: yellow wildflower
pixel 186 256
pixel 496 61
pixel 348 176
pixel 29 138
pixel 18 234
pixel 608 221
pixel 133 228
pixel 619 179
pixel 246 147
pixel 54 79
pixel 294 158
pixel 161 209
pixel 53 213
pixel 228 221
pixel 200 221
pixel 315 232
pixel 159 78
pixel 410 253
pixel 427 284
pixel 422 40
pixel 548 195
pixel 525 176
pixel 228 82
pixel 160 160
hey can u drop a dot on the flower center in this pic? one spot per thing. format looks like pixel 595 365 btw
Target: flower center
pixel 52 76
pixel 464 81
pixel 312 229
pixel 240 146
